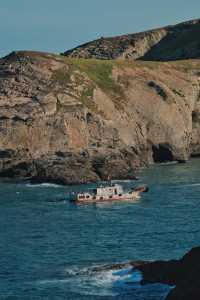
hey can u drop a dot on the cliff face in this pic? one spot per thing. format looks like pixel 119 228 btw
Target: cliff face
pixel 73 120
pixel 169 43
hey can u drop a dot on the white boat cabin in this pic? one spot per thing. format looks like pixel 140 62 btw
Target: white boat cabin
pixel 112 192
pixel 101 193
pixel 109 191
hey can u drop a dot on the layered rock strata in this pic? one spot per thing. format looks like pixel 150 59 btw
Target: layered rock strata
pixel 74 120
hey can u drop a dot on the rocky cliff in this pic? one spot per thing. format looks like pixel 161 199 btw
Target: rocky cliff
pixel 75 120
pixel 168 43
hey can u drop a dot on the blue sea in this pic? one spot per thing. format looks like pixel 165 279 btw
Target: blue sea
pixel 51 248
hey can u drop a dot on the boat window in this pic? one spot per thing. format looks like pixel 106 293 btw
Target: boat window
pixel 87 196
pixel 120 195
pixel 101 198
pixel 110 196
pixel 115 191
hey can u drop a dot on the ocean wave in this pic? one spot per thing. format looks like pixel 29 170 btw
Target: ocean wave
pixel 91 281
pixel 97 281
pixel 45 185
pixel 187 185
pixel 51 281
pixel 193 184
pixel 123 180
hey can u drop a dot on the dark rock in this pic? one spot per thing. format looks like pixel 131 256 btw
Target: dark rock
pixel 185 291
pixel 176 42
pixel 183 273
pixel 158 89
pixel 162 153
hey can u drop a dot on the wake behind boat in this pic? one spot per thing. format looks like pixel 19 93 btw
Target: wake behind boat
pixel 114 192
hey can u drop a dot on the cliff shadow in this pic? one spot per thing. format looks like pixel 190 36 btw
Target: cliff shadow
pixel 162 153
pixel 181 42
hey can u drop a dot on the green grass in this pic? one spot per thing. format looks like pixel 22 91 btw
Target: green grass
pixel 100 74
pixel 62 76
pixel 86 98
pixel 98 71
pixel 88 92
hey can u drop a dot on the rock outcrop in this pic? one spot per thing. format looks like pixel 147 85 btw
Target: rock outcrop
pixel 183 274
pixel 72 120
pixel 163 44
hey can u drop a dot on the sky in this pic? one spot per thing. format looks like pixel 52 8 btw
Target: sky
pixel 58 25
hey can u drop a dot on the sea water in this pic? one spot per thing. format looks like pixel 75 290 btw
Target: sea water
pixel 51 248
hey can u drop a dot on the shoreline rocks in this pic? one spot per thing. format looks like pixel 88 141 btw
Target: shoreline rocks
pixel 183 274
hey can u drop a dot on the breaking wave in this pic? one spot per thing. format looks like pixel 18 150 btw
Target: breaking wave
pixel 98 281
pixel 45 185
pixel 187 185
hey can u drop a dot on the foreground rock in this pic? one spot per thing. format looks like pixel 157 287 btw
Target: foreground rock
pixel 68 120
pixel 184 274
pixel 163 44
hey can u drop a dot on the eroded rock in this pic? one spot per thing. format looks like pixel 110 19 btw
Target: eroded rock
pixel 72 121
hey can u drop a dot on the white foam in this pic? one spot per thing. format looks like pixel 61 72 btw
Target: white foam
pixel 193 184
pixel 104 282
pixel 45 184
pixel 129 275
pixel 125 181
pixel 168 163
pixel 88 281
pixel 51 281
pixel 188 185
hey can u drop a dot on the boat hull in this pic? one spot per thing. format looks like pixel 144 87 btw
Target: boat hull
pixel 125 197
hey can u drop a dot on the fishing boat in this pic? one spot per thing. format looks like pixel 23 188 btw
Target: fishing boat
pixel 114 192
